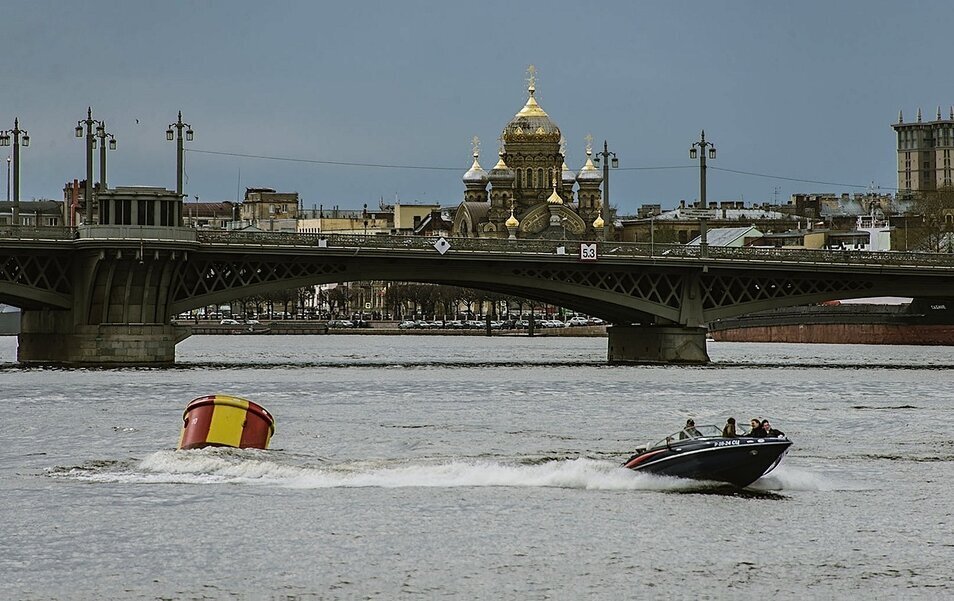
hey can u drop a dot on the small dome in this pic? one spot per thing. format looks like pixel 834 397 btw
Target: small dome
pixel 475 175
pixel 598 223
pixel 512 221
pixel 589 172
pixel 501 172
pixel 554 198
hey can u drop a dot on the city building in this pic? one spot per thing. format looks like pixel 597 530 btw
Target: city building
pixel 529 192
pixel 34 213
pixel 682 224
pixel 270 211
pixel 924 153
pixel 347 221
pixel 210 215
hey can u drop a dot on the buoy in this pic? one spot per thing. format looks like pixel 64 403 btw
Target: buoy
pixel 220 420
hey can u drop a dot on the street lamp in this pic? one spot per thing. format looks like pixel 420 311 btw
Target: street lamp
pixel 102 134
pixel 89 122
pixel 177 135
pixel 605 155
pixel 700 148
pixel 17 142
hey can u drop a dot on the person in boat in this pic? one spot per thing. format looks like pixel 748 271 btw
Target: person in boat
pixel 770 431
pixel 729 430
pixel 757 430
pixel 690 429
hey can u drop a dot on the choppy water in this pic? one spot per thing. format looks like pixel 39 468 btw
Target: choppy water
pixel 474 468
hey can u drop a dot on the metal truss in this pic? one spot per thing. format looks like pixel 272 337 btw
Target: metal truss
pixel 721 290
pixel 199 277
pixel 48 273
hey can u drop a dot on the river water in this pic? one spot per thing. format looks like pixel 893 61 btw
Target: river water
pixel 427 467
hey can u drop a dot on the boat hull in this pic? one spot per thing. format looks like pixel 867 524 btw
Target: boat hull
pixel 738 461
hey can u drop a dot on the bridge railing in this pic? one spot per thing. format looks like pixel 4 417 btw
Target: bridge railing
pixel 482 245
pixel 571 248
pixel 29 232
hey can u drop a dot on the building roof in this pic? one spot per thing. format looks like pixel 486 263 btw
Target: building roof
pixel 208 209
pixel 751 213
pixel 32 206
pixel 725 236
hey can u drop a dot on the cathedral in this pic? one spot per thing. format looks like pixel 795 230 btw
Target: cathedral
pixel 529 193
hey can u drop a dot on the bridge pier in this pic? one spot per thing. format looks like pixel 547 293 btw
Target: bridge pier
pixel 636 345
pixel 51 337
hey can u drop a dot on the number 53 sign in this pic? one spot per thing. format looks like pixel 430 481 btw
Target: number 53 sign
pixel 588 252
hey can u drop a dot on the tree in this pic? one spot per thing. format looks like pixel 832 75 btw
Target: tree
pixel 936 208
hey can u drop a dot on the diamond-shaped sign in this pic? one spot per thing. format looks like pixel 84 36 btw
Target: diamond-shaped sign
pixel 442 245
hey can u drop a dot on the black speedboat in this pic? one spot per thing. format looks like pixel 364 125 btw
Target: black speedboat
pixel 702 453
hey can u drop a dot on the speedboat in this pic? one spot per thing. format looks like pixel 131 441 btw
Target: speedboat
pixel 703 453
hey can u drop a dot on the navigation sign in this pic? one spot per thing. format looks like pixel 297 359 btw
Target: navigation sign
pixel 588 252
pixel 442 245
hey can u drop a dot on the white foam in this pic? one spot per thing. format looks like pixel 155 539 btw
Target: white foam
pixel 213 466
pixel 229 466
pixel 786 477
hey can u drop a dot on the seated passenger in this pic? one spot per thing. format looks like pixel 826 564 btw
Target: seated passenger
pixel 770 431
pixel 690 429
pixel 729 430
pixel 757 430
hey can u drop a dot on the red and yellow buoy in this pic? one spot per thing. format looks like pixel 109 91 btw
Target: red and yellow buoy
pixel 220 420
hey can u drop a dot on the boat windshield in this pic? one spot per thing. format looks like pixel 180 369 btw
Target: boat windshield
pixel 706 431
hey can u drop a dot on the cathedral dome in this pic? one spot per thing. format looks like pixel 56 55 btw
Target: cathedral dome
pixel 589 173
pixel 532 123
pixel 500 172
pixel 475 176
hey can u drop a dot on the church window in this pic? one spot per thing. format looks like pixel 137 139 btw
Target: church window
pixel 543 181
pixel 519 178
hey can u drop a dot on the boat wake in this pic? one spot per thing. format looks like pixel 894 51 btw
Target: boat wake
pixel 278 469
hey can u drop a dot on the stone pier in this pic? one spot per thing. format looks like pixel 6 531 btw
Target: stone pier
pixel 637 345
pixel 49 337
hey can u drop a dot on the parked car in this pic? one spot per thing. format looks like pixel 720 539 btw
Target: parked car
pixel 340 323
pixel 229 322
pixel 577 321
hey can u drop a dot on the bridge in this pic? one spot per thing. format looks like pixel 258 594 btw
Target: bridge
pixel 105 294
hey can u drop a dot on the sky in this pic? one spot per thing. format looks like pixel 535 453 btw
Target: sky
pixel 798 95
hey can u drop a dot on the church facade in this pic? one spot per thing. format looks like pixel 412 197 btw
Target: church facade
pixel 530 192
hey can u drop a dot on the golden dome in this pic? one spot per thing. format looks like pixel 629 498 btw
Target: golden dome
pixel 532 122
pixel 598 223
pixel 554 197
pixel 512 221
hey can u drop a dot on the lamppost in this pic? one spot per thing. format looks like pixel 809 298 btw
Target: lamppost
pixel 177 135
pixel 102 135
pixel 89 122
pixel 699 148
pixel 17 142
pixel 605 155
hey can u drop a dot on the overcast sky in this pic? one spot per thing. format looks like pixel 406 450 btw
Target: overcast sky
pixel 804 90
